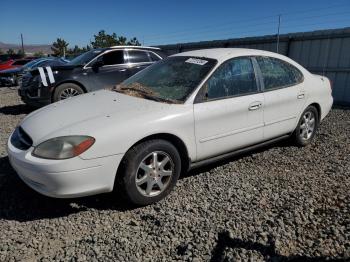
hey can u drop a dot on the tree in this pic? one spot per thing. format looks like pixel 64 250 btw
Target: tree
pixel 133 41
pixel 1 52
pixel 39 54
pixel 20 53
pixel 122 40
pixel 10 51
pixel 102 39
pixel 59 47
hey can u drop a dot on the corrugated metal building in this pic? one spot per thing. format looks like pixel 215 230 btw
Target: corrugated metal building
pixel 325 52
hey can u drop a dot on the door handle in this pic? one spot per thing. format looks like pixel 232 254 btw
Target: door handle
pixel 122 70
pixel 301 96
pixel 254 106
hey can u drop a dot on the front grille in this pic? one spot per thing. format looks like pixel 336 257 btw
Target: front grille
pixel 20 139
pixel 26 79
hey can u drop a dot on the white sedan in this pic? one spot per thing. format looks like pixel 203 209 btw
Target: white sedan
pixel 187 110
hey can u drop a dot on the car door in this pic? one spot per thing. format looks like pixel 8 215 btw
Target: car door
pixel 228 110
pixel 137 60
pixel 284 95
pixel 111 70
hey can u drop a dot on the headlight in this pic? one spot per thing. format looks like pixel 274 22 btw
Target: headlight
pixel 63 147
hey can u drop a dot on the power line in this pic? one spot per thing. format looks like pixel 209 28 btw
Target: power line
pixel 232 31
pixel 153 36
pixel 214 30
pixel 283 28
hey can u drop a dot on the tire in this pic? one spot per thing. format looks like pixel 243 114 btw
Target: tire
pixel 66 90
pixel 140 181
pixel 307 127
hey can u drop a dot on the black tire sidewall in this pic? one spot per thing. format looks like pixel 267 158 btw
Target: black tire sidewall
pixel 299 141
pixel 131 163
pixel 60 88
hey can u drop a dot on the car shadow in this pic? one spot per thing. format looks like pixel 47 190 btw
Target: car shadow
pixel 268 251
pixel 16 109
pixel 207 167
pixel 20 203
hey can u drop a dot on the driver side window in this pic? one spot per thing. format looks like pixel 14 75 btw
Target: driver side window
pixel 112 58
pixel 233 78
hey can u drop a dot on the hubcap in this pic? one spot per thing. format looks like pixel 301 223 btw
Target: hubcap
pixel 154 173
pixel 307 125
pixel 68 92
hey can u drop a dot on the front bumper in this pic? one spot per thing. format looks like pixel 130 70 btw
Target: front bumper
pixel 35 97
pixel 32 93
pixel 68 178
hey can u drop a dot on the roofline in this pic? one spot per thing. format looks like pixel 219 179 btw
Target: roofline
pixel 135 46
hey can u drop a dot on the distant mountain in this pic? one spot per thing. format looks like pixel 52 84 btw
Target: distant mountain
pixel 30 49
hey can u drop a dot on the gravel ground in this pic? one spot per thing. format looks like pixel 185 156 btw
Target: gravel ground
pixel 278 203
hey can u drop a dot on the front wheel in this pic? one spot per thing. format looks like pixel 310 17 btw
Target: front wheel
pixel 307 126
pixel 149 172
pixel 67 90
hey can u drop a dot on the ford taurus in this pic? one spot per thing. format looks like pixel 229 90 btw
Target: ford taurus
pixel 184 111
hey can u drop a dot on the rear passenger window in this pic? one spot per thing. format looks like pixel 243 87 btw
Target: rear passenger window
pixel 234 77
pixel 138 57
pixel 277 73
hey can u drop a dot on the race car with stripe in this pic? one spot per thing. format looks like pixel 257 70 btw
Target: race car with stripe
pixel 96 69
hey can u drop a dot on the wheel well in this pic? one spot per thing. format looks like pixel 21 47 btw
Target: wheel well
pixel 176 141
pixel 318 108
pixel 67 82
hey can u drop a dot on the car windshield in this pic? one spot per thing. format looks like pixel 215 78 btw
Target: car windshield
pixel 33 63
pixel 171 80
pixel 84 58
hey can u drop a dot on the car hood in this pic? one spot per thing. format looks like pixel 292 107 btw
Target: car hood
pixel 82 113
pixel 57 68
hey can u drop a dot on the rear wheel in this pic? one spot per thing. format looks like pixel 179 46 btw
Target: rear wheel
pixel 149 172
pixel 67 90
pixel 307 126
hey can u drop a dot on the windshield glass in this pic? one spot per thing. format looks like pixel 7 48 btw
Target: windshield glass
pixel 170 80
pixel 31 63
pixel 84 58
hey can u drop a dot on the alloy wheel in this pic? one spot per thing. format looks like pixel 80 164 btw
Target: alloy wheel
pixel 307 125
pixel 68 92
pixel 154 173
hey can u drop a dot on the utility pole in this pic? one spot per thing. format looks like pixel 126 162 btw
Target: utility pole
pixel 22 44
pixel 278 33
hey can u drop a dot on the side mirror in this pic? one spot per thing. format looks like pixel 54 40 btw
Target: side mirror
pixel 97 65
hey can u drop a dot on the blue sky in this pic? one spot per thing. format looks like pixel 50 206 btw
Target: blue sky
pixel 162 22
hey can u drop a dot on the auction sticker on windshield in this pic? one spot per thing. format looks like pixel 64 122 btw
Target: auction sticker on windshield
pixel 196 61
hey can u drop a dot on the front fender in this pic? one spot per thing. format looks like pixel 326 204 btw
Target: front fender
pixel 116 135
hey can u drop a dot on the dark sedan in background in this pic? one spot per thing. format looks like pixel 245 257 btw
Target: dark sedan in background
pixel 93 70
pixel 12 77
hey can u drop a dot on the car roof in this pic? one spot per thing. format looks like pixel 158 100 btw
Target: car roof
pixel 135 47
pixel 222 54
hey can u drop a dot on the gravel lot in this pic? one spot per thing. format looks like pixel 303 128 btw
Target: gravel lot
pixel 278 203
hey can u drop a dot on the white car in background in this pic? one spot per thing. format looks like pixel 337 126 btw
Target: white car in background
pixel 187 110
